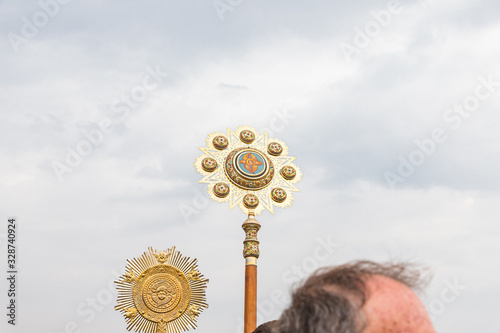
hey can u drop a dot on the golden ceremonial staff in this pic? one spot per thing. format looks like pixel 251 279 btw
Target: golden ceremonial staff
pixel 254 172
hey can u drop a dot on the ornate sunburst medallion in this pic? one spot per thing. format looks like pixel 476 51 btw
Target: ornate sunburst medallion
pixel 247 162
pixel 161 292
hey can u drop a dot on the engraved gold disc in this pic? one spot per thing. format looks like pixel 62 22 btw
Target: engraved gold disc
pixel 161 292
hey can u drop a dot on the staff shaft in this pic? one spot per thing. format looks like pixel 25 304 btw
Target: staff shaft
pixel 250 253
pixel 250 298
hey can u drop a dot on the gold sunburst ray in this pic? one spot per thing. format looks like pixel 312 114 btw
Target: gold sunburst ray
pixel 157 294
pixel 266 201
pixel 211 152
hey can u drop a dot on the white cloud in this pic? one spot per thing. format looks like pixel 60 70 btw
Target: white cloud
pixel 274 66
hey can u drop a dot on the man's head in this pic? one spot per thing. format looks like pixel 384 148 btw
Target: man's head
pixel 266 327
pixel 358 297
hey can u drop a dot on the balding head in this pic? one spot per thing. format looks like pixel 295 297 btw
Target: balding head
pixel 359 297
pixel 392 306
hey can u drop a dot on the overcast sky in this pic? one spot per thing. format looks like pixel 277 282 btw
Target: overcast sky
pixel 391 109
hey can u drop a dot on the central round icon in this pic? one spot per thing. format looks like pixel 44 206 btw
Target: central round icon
pixel 162 292
pixel 249 168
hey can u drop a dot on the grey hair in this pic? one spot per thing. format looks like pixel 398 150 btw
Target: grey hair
pixel 266 327
pixel 330 300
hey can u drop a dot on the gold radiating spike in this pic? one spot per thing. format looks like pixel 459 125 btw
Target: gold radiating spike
pixel 155 294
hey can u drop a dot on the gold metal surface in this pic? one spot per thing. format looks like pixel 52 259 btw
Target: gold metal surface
pixel 193 275
pixel 250 261
pixel 161 292
pixel 236 190
pixel 251 244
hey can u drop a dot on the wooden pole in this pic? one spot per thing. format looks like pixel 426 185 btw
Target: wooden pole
pixel 250 298
pixel 250 253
